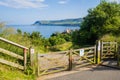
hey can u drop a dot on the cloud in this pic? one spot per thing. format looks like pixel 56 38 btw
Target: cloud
pixel 63 1
pixel 118 1
pixel 23 3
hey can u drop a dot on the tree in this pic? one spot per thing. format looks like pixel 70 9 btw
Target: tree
pixel 19 31
pixel 35 35
pixel 104 19
pixel 55 40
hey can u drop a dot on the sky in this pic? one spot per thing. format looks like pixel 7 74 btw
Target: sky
pixel 29 11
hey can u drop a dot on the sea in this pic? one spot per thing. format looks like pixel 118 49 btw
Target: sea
pixel 45 31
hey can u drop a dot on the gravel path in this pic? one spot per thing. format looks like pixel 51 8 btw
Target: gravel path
pixel 97 73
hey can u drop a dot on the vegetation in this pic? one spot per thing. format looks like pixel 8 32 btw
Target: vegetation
pixel 9 73
pixel 102 20
pixel 62 47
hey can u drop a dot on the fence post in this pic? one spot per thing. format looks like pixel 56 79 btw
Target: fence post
pixel 37 64
pixel 116 49
pixel 33 60
pixel 32 56
pixel 95 55
pixel 70 60
pixel 118 57
pixel 98 52
pixel 118 63
pixel 25 58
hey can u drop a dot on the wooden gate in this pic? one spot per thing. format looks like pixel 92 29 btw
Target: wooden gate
pixel 83 57
pixel 71 59
pixel 52 62
pixel 65 60
pixel 108 54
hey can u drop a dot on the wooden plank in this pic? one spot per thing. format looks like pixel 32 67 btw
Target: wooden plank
pixel 13 43
pixel 88 53
pixel 108 53
pixel 88 48
pixel 49 72
pixel 111 50
pixel 91 56
pixel 85 64
pixel 11 64
pixel 53 67
pixel 105 46
pixel 11 54
pixel 109 42
pixel 60 52
pixel 80 62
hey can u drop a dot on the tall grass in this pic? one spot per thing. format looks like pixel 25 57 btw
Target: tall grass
pixel 10 73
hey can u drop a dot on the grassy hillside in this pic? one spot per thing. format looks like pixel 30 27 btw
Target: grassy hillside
pixel 64 22
pixel 9 73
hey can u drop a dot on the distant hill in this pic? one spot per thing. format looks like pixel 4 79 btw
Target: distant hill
pixel 64 22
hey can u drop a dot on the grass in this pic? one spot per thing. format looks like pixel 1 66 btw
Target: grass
pixel 10 73
pixel 62 47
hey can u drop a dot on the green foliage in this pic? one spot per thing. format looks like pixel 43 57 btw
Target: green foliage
pixel 62 47
pixel 66 36
pixel 110 37
pixel 9 73
pixel 19 31
pixel 104 19
pixel 60 38
pixel 56 40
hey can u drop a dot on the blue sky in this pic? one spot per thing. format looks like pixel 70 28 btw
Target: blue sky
pixel 28 11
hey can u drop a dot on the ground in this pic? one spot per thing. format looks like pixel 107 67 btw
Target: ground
pixel 90 73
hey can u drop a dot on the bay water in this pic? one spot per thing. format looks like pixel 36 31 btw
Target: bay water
pixel 44 30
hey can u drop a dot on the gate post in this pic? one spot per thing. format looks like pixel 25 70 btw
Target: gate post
pixel 98 52
pixel 25 58
pixel 70 60
pixel 32 58
pixel 37 64
pixel 118 56
pixel 118 62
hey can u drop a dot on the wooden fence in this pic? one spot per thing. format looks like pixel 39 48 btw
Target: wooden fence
pixel 72 59
pixel 14 55
pixel 64 60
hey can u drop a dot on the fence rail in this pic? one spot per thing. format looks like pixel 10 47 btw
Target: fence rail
pixel 11 54
pixel 15 55
pixel 13 43
pixel 11 64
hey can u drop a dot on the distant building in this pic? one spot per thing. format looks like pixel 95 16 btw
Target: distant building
pixel 67 31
